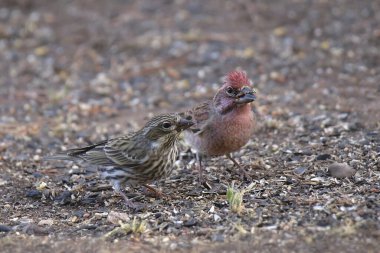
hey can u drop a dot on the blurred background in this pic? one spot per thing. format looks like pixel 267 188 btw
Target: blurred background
pixel 87 63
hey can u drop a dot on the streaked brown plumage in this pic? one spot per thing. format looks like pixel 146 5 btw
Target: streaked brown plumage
pixel 137 158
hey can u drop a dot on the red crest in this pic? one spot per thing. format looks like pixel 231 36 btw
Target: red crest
pixel 237 79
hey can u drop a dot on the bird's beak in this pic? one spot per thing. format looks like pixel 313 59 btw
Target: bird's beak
pixel 246 95
pixel 184 124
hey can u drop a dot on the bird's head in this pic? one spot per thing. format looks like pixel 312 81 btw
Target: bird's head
pixel 235 92
pixel 167 127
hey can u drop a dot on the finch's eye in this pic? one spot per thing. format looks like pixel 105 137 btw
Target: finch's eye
pixel 230 90
pixel 166 125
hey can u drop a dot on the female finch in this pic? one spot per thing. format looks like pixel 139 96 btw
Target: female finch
pixel 225 124
pixel 137 158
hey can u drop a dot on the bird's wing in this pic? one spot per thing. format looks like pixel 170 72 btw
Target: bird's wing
pixel 202 115
pixel 97 156
pixel 120 151
pixel 126 151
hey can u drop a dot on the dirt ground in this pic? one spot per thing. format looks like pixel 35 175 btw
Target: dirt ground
pixel 76 72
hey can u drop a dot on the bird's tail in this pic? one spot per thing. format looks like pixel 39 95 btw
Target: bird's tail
pixel 59 156
pixel 71 154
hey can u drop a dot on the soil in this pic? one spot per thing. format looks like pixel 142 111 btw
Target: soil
pixel 76 72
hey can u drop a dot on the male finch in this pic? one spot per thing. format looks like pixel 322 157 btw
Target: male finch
pixel 224 124
pixel 137 158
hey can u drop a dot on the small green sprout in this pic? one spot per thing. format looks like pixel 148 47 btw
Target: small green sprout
pixel 235 197
pixel 135 227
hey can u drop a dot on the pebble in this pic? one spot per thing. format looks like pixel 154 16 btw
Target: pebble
pixel 299 170
pixel 116 217
pixel 190 223
pixel 78 213
pixel 341 170
pixel 323 157
pixel 217 238
pixel 33 229
pixel 216 217
pixel 41 186
pixel 37 174
pixel 74 219
pixel 4 228
pixel 64 198
pixel 35 194
pixel 3 182
pixel 47 222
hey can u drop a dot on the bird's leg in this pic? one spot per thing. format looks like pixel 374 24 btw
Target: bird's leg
pixel 129 203
pixel 241 169
pixel 233 160
pixel 157 193
pixel 200 168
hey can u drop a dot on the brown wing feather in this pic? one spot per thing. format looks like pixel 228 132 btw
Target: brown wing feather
pixel 201 114
pixel 126 151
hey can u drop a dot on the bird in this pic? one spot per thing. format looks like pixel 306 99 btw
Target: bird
pixel 224 124
pixel 137 158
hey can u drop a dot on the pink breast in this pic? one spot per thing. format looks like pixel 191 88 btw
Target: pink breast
pixel 228 133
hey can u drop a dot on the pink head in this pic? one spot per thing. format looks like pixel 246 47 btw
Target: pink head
pixel 235 92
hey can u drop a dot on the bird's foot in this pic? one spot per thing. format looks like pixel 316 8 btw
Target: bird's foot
pixel 154 192
pixel 201 179
pixel 203 183
pixel 233 160
pixel 136 207
pixel 244 175
pixel 130 204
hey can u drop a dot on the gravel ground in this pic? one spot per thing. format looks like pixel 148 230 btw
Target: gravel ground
pixel 76 72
